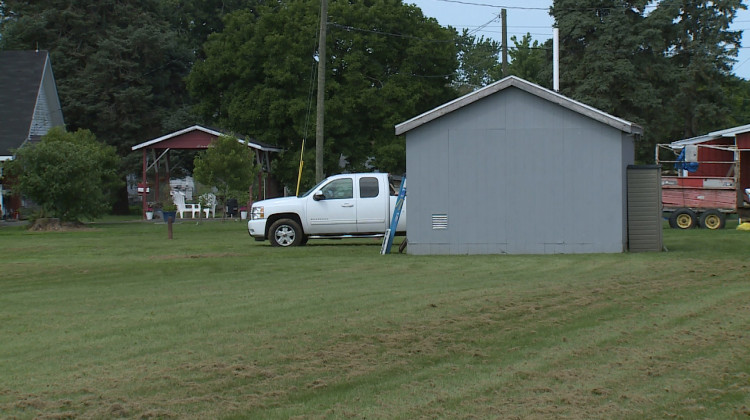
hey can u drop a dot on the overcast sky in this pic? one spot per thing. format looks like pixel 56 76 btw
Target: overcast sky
pixel 482 16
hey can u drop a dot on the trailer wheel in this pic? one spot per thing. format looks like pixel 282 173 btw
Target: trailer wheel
pixel 712 219
pixel 683 219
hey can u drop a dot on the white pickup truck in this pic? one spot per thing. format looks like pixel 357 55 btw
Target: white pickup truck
pixel 341 206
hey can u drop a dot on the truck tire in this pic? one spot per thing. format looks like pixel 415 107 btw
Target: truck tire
pixel 285 232
pixel 713 219
pixel 683 219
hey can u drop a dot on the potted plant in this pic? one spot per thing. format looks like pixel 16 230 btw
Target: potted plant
pixel 207 201
pixel 169 210
pixel 150 212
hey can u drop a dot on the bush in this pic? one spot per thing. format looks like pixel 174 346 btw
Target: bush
pixel 70 176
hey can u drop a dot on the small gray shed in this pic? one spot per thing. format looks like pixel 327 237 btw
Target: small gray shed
pixel 516 168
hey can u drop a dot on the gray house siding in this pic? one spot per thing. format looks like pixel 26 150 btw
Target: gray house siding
pixel 517 174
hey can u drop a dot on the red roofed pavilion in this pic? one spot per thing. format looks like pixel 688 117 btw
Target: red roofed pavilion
pixel 196 137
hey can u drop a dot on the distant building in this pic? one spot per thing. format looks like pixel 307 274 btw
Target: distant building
pixel 515 168
pixel 196 137
pixel 29 107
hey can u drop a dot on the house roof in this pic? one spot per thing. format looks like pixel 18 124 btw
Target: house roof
pixel 513 81
pixel 727 132
pixel 731 132
pixel 693 140
pixel 211 132
pixel 21 74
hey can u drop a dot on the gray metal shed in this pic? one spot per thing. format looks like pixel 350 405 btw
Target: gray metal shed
pixel 516 168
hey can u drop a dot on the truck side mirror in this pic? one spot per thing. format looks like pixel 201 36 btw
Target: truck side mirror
pixel 319 196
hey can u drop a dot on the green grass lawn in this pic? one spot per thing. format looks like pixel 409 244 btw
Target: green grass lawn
pixel 117 321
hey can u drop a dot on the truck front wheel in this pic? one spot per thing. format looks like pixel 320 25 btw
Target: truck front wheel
pixel 713 219
pixel 683 219
pixel 285 232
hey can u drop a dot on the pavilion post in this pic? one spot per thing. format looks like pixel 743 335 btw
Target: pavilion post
pixel 166 170
pixel 249 203
pixel 157 197
pixel 144 194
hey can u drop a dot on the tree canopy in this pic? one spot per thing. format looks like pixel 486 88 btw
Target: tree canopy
pixel 130 71
pixel 663 66
pixel 478 62
pixel 118 65
pixel 70 176
pixel 386 63
pixel 531 61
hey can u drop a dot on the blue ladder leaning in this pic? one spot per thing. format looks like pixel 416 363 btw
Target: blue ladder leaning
pixel 391 232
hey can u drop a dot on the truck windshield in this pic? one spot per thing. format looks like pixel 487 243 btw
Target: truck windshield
pixel 313 188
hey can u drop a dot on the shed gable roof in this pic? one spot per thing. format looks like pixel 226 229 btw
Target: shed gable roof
pixel 513 81
pixel 21 79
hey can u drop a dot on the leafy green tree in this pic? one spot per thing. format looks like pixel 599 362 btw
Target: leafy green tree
pixel 229 166
pixel 386 63
pixel 200 18
pixel 603 55
pixel 70 176
pixel 665 69
pixel 737 93
pixel 479 63
pixel 700 50
pixel 531 61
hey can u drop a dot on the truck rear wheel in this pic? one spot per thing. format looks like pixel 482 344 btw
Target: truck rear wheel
pixel 285 232
pixel 683 219
pixel 713 219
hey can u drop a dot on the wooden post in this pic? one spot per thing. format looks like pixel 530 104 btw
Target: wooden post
pixel 156 177
pixel 170 219
pixel 144 196
pixel 169 188
pixel 319 132
pixel 249 202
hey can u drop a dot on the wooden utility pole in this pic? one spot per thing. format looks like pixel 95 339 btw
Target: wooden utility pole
pixel 319 122
pixel 504 18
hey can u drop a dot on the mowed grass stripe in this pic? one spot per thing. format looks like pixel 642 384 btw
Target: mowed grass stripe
pixel 118 321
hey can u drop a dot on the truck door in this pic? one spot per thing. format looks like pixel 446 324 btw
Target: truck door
pixel 334 211
pixel 372 205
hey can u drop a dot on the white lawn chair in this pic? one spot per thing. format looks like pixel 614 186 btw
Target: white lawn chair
pixel 179 200
pixel 209 202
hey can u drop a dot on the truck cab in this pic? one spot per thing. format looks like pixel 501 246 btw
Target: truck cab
pixel 345 205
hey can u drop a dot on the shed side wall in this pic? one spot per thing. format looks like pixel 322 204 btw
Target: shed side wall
pixel 516 174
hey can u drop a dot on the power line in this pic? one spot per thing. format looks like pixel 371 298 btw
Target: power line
pixel 494 5
pixel 352 28
pixel 480 27
pixel 573 9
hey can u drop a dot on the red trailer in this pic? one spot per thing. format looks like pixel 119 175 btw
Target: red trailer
pixel 706 178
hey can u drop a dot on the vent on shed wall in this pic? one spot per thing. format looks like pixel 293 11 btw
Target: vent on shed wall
pixel 439 221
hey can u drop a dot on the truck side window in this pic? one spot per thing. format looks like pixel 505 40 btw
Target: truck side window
pixel 340 188
pixel 368 187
